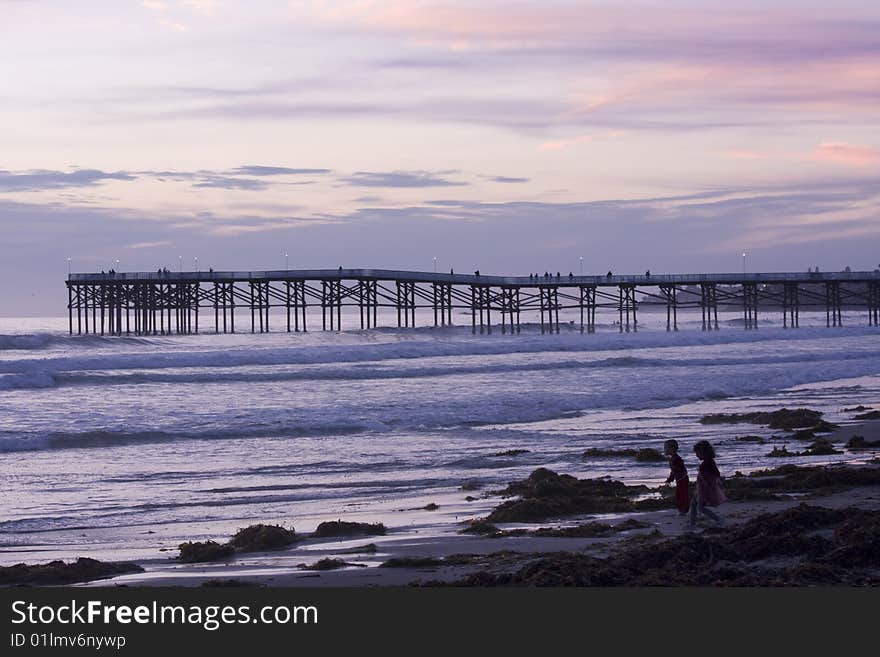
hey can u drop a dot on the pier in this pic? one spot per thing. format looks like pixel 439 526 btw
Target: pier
pixel 164 303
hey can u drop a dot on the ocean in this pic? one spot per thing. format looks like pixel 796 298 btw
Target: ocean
pixel 123 447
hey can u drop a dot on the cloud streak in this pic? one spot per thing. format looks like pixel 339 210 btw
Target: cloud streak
pixel 29 181
pixel 399 179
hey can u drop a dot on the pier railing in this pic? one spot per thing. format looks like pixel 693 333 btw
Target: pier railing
pixel 475 279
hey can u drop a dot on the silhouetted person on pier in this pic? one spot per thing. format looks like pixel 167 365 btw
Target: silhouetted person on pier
pixel 609 273
pixel 210 270
pixel 477 272
pixel 546 274
pixel 340 270
pixel 570 276
pixel 558 276
pixel 648 274
pixel 451 273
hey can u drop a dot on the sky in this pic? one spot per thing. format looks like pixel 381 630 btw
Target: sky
pixel 510 137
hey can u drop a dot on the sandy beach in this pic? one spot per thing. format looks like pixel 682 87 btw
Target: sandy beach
pixel 450 557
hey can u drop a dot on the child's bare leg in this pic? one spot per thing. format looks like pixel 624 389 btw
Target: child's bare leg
pixel 711 514
pixel 692 514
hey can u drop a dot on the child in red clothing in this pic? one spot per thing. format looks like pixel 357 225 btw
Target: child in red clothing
pixel 679 474
pixel 710 492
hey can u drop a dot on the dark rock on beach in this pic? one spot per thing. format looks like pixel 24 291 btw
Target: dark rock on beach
pixel 512 452
pixel 871 415
pixel 60 572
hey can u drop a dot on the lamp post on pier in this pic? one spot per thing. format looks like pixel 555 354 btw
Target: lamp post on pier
pixel 197 263
pixel 744 262
pixel 180 262
pixel 287 262
pixel 435 265
pixel 68 268
pixel 581 259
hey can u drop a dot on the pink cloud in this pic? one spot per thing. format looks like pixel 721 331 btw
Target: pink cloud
pixel 744 155
pixel 846 154
pixel 560 144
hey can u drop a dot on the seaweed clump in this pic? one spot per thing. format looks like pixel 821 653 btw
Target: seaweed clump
pixel 336 528
pixel 330 564
pixel 204 551
pixel 257 538
pixel 546 494
pixel 819 447
pixel 777 483
pixel 58 572
pixel 254 538
pixel 859 442
pixel 411 562
pixel 586 530
pixel 645 455
pixel 785 418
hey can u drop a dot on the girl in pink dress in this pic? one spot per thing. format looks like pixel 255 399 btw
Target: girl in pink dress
pixel 710 491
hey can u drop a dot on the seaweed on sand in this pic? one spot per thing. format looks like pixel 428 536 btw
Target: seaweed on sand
pixel 737 556
pixel 58 572
pixel 784 418
pixel 751 439
pixel 336 528
pixel 256 538
pixel 819 447
pixel 859 442
pixel 411 562
pixel 202 552
pixel 546 494
pixel 645 455
pixel 330 564
pixel 776 483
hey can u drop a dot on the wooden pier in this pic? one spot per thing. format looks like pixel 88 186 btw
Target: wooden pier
pixel 163 303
